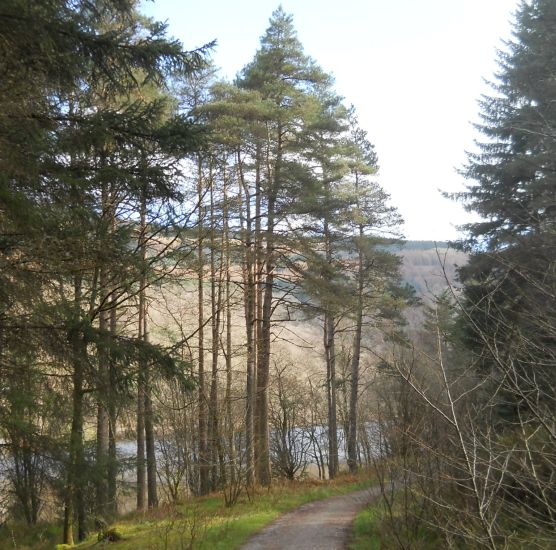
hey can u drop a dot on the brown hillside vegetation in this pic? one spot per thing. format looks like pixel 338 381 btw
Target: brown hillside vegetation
pixel 432 269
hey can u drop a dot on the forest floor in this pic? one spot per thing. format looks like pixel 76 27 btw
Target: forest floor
pixel 198 523
pixel 321 525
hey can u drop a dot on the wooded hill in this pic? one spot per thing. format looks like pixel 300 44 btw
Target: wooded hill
pixel 430 267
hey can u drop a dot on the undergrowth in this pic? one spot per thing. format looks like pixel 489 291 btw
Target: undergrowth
pixel 197 524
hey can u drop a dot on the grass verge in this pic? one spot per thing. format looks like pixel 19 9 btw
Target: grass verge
pixel 366 532
pixel 206 523
pixel 374 528
pixel 202 523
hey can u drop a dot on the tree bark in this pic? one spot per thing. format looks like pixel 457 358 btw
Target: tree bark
pixel 262 452
pixel 214 450
pixel 74 498
pixel 152 497
pixel 102 436
pixel 202 420
pixel 330 356
pixel 228 351
pixel 148 418
pixel 249 285
pixel 330 353
pixel 141 382
pixel 112 470
pixel 112 420
pixel 103 382
pixel 352 459
pixel 141 473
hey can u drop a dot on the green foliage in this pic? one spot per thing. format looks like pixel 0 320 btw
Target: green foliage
pixel 440 317
pixel 42 536
pixel 366 535
pixel 511 273
pixel 377 527
pixel 211 524
pixel 82 115
pixel 110 534
pixel 95 207
pixel 280 68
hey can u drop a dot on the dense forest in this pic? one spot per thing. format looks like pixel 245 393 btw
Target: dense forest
pixel 204 290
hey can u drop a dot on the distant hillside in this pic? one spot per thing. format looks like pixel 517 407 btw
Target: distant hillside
pixel 424 245
pixel 429 267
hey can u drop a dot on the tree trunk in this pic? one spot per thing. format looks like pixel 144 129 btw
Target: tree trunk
pixel 258 297
pixel 141 382
pixel 354 386
pixel 262 452
pixel 330 353
pixel 262 456
pixel 141 474
pixel 249 286
pixel 148 418
pixel 152 497
pixel 228 355
pixel 103 384
pixel 74 498
pixel 202 421
pixel 112 470
pixel 214 450
pixel 112 420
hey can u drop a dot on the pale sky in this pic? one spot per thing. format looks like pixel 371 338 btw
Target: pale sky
pixel 414 69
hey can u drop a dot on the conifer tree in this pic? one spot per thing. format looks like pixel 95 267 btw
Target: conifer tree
pixel 59 53
pixel 284 76
pixel 511 277
pixel 350 279
pixel 324 200
pixel 377 290
pixel 507 317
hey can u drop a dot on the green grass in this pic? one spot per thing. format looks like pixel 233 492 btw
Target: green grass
pixel 204 524
pixel 201 523
pixel 39 537
pixel 366 534
pixel 374 529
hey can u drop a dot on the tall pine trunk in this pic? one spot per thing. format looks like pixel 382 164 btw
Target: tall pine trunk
pixel 148 417
pixel 228 350
pixel 330 356
pixel 330 353
pixel 258 305
pixel 103 382
pixel 74 497
pixel 152 496
pixel 352 458
pixel 262 451
pixel 202 419
pixel 249 285
pixel 215 447
pixel 141 382
pixel 112 419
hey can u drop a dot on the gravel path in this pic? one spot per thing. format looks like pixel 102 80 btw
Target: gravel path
pixel 319 525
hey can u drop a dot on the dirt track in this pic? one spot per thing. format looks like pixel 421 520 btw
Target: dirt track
pixel 320 525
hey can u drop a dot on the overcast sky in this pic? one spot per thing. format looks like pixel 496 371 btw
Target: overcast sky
pixel 414 69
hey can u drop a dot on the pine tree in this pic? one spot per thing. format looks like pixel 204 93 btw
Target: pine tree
pixel 377 291
pixel 284 77
pixel 350 279
pixel 56 218
pixel 511 276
